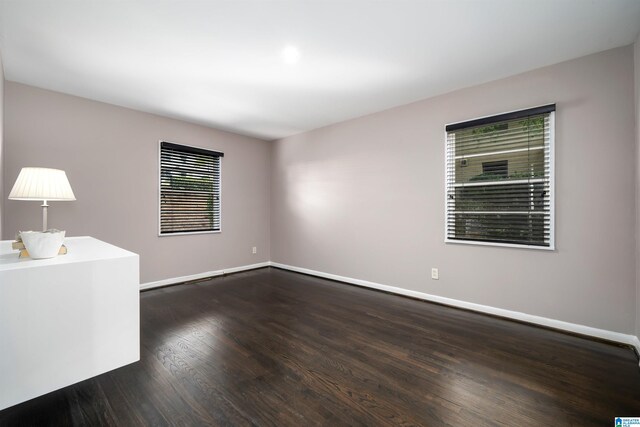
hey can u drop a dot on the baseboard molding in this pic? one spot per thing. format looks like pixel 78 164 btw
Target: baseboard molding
pixel 618 337
pixel 636 345
pixel 206 274
pixel 604 334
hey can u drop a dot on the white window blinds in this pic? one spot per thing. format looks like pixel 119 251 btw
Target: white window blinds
pixel 189 189
pixel 499 183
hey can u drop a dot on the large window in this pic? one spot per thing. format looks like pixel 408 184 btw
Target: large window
pixel 499 181
pixel 189 189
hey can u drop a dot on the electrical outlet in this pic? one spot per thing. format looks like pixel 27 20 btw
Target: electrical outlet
pixel 254 250
pixel 434 274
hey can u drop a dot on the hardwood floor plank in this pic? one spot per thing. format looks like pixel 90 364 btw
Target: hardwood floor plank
pixel 274 348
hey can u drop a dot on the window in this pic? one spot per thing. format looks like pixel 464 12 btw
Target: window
pixel 189 189
pixel 499 179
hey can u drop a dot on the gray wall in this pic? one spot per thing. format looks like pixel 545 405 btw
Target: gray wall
pixel 111 158
pixel 365 198
pixel 1 141
pixel 637 92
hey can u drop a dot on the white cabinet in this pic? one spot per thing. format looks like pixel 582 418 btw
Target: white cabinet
pixel 66 319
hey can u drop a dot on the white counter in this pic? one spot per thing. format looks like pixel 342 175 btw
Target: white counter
pixel 66 319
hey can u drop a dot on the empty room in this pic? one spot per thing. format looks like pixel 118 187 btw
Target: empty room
pixel 311 212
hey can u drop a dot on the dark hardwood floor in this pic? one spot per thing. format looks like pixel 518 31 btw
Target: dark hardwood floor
pixel 270 347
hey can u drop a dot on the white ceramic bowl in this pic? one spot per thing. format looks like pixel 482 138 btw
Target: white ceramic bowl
pixel 42 245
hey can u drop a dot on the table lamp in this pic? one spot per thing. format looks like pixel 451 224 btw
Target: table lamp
pixel 42 184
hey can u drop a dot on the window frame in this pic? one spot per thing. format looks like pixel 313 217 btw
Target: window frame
pixel 552 176
pixel 159 207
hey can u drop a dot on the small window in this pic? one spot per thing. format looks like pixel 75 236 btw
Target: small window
pixel 189 189
pixel 499 182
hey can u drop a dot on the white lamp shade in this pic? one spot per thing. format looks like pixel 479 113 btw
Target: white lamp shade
pixel 42 184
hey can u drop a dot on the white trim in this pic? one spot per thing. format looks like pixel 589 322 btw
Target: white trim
pixel 206 274
pixel 185 233
pixel 516 315
pixel 447 159
pixel 552 180
pixel 503 245
pixel 636 344
pixel 528 318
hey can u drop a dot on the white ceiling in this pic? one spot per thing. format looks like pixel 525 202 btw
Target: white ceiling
pixel 219 63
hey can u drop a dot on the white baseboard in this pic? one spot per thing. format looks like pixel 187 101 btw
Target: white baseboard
pixel 636 344
pixel 206 274
pixel 516 315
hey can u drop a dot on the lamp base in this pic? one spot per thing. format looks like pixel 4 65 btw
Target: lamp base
pixel 41 245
